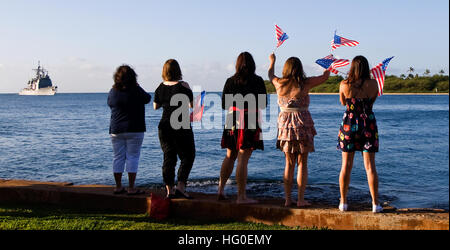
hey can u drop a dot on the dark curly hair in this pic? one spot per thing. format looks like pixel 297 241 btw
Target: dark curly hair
pixel 124 78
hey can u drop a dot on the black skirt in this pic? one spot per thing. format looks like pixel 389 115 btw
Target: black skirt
pixel 236 139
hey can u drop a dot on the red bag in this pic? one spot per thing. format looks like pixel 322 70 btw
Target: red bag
pixel 159 208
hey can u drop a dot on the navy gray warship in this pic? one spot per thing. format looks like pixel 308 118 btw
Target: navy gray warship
pixel 41 84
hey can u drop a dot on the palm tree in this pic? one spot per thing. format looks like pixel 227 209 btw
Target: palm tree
pixel 410 71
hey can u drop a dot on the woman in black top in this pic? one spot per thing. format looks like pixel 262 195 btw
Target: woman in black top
pixel 174 130
pixel 127 126
pixel 243 95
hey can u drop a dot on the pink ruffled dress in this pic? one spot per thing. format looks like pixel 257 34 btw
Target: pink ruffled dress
pixel 295 125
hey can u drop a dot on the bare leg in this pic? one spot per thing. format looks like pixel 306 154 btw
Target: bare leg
pixel 241 176
pixel 131 180
pixel 344 177
pixel 288 177
pixel 118 179
pixel 226 170
pixel 372 176
pixel 302 179
pixel 170 190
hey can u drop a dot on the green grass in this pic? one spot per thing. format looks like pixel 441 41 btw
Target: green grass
pixel 40 217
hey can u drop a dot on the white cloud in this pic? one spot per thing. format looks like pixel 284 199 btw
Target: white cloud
pixel 74 59
pixel 230 68
pixel 77 74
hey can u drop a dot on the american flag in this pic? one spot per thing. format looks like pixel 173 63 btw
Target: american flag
pixel 379 73
pixel 331 63
pixel 280 35
pixel 339 41
pixel 197 112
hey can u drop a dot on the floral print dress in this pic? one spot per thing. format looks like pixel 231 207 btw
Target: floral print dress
pixel 295 125
pixel 358 130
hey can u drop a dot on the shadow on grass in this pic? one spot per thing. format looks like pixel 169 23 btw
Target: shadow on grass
pixel 53 212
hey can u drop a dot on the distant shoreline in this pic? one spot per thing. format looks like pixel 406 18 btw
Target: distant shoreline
pixel 311 93
pixel 386 93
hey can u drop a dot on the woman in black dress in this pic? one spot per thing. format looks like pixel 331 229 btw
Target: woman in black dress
pixel 358 130
pixel 243 95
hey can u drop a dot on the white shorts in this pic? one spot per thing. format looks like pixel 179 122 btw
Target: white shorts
pixel 127 150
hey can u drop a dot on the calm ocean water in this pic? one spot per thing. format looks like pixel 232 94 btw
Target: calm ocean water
pixel 65 138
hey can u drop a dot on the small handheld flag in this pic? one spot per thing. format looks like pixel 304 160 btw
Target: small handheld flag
pixel 339 41
pixel 280 35
pixel 197 112
pixel 379 73
pixel 331 63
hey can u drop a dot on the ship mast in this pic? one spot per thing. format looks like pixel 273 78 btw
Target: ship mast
pixel 40 72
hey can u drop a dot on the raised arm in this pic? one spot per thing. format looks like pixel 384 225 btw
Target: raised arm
pixel 272 59
pixel 272 77
pixel 312 82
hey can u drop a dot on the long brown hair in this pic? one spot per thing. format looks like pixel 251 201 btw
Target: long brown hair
pixel 293 71
pixel 171 71
pixel 124 78
pixel 359 70
pixel 245 67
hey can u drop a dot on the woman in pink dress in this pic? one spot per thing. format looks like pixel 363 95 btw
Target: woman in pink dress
pixel 295 126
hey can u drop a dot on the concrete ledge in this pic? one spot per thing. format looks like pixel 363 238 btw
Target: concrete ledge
pixel 206 207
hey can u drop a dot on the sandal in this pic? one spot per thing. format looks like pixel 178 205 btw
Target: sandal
pixel 180 194
pixel 120 191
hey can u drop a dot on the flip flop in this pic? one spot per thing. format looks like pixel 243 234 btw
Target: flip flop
pixel 120 191
pixel 180 194
pixel 136 192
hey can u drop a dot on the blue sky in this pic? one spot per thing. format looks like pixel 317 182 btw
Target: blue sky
pixel 82 42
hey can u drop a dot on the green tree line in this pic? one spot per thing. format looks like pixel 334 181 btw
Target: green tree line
pixel 392 84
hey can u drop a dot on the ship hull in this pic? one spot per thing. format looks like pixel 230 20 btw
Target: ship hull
pixel 42 91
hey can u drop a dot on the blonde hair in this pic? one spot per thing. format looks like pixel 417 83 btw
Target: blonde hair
pixel 293 71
